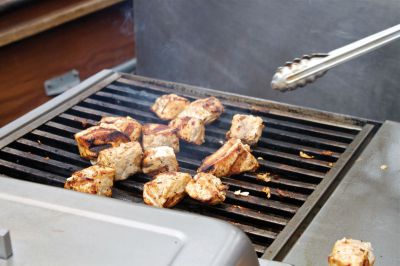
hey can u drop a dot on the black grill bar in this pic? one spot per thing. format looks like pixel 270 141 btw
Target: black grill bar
pixel 48 154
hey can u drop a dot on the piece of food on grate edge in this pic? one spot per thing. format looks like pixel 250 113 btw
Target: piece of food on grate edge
pixel 351 252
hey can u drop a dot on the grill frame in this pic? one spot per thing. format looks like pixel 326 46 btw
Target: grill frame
pixel 303 215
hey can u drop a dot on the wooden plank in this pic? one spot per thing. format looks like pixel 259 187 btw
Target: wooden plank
pixel 90 44
pixel 56 17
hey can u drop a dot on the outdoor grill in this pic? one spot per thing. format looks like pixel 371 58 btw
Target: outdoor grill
pixel 42 149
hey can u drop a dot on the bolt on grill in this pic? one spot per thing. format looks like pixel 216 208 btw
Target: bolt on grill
pixel 48 154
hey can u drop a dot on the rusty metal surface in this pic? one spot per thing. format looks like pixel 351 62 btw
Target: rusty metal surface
pixel 44 151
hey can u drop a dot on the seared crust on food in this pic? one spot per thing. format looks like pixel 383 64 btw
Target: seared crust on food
pixel 207 109
pixel 166 189
pixel 158 160
pixel 189 129
pixel 206 188
pixel 232 158
pixel 92 180
pixel 155 135
pixel 168 106
pixel 247 128
pixel 126 125
pixel 94 139
pixel 350 252
pixel 126 159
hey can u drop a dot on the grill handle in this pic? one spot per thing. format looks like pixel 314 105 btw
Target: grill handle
pixel 307 69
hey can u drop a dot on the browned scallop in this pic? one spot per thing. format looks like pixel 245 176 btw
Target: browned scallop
pixel 207 109
pixel 168 106
pixel 189 129
pixel 126 159
pixel 94 139
pixel 158 160
pixel 247 128
pixel 232 158
pixel 166 189
pixel 126 125
pixel 95 179
pixel 206 188
pixel 156 135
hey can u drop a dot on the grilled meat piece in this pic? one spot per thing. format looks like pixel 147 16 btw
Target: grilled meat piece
pixel 126 159
pixel 189 129
pixel 158 160
pixel 155 135
pixel 126 125
pixel 94 139
pixel 206 188
pixel 232 158
pixel 95 179
pixel 166 190
pixel 350 252
pixel 167 107
pixel 247 128
pixel 207 109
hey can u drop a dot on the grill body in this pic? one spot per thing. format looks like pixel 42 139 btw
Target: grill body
pixel 41 148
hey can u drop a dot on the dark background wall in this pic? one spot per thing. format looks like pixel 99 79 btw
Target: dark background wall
pixel 236 46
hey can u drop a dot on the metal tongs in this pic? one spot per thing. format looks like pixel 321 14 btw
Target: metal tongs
pixel 307 69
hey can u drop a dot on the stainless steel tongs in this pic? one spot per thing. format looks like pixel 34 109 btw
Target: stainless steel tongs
pixel 307 69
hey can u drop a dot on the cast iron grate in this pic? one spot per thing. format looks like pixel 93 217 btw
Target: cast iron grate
pixel 48 154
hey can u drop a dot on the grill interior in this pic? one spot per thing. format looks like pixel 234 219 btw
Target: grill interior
pixel 49 155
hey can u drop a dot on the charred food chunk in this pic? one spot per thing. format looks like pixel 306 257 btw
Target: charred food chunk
pixel 125 159
pixel 158 160
pixel 207 188
pixel 207 109
pixel 166 189
pixel 95 179
pixel 189 129
pixel 168 106
pixel 156 135
pixel 247 128
pixel 232 158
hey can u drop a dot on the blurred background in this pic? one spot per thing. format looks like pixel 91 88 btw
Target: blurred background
pixel 229 45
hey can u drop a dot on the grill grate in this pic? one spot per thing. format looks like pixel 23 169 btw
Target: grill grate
pixel 48 154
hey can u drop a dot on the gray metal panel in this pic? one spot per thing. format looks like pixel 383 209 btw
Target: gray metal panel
pixel 53 226
pixel 236 46
pixel 365 205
